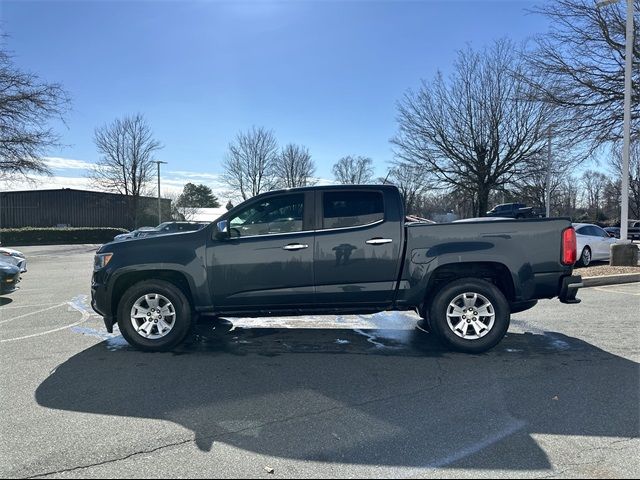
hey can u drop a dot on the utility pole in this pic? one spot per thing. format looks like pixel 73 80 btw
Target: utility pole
pixel 547 182
pixel 628 55
pixel 625 252
pixel 158 162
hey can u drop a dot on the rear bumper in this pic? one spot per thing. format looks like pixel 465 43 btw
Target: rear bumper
pixel 569 289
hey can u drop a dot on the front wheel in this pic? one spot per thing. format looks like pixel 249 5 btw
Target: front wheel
pixel 154 315
pixel 470 315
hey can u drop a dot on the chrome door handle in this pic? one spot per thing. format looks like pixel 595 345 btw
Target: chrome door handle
pixel 295 246
pixel 379 241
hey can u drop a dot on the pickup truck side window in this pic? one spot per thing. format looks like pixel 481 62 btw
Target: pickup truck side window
pixel 282 214
pixel 351 209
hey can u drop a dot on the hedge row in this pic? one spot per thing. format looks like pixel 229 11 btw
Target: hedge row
pixel 57 236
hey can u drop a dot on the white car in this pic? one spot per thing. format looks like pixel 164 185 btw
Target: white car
pixel 593 243
pixel 133 234
pixel 14 257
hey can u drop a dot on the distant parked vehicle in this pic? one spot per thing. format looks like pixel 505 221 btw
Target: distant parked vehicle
pixel 613 231
pixel 14 257
pixel 132 234
pixel 9 276
pixel 633 230
pixel 173 227
pixel 593 243
pixel 514 210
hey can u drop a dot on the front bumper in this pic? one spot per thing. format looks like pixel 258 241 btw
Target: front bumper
pixel 569 289
pixel 9 283
pixel 101 305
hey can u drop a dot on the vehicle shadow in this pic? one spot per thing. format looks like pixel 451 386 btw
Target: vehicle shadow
pixel 5 301
pixel 370 397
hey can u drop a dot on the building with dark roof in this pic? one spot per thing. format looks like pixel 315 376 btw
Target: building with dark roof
pixel 77 208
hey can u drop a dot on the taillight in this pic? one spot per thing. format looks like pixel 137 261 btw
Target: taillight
pixel 569 246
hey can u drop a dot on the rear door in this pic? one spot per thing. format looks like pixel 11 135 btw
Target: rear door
pixel 267 263
pixel 357 248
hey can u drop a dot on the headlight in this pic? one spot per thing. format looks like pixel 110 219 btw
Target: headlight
pixel 101 260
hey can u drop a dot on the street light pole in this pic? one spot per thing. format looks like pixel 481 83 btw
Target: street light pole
pixel 624 252
pixel 548 177
pixel 624 213
pixel 628 56
pixel 158 162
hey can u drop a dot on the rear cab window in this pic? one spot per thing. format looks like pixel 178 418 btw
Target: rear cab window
pixel 351 209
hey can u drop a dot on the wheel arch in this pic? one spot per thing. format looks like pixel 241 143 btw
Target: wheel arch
pixel 128 279
pixel 494 272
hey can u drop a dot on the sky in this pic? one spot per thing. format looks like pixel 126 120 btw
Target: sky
pixel 324 74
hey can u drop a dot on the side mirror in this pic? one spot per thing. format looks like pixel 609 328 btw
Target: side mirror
pixel 222 229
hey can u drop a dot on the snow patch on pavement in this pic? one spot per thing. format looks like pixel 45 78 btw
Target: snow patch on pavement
pixel 113 341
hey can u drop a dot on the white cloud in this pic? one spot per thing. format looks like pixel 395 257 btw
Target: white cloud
pixel 59 163
pixel 172 181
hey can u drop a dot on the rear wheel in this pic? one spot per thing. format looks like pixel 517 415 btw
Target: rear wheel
pixel 585 257
pixel 470 315
pixel 154 315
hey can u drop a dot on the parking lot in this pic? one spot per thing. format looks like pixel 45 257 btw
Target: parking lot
pixel 313 397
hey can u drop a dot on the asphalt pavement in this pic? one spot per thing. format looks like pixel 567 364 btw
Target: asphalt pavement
pixel 323 397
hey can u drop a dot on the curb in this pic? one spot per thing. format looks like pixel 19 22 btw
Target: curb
pixel 611 279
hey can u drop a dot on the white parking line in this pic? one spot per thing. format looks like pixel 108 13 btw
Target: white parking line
pixel 84 319
pixel 605 289
pixel 33 313
pixel 26 306
pixel 75 304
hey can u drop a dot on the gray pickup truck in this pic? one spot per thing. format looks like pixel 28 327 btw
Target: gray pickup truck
pixel 335 250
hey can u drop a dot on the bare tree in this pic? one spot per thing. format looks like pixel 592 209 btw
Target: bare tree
pixel 294 167
pixel 248 168
pixel 179 210
pixel 594 184
pixel 478 130
pixel 353 170
pixel 126 147
pixel 578 66
pixel 565 200
pixel 615 163
pixel 413 183
pixel 27 104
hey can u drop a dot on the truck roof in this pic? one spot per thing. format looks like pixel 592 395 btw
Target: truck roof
pixel 333 187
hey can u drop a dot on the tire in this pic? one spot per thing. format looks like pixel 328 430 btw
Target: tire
pixel 585 257
pixel 175 326
pixel 478 333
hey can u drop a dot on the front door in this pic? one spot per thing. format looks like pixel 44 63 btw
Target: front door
pixel 267 262
pixel 356 250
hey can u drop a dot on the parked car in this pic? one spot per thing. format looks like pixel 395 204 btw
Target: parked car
pixel 613 231
pixel 14 257
pixel 9 277
pixel 335 250
pixel 633 230
pixel 594 243
pixel 132 234
pixel 173 227
pixel 514 210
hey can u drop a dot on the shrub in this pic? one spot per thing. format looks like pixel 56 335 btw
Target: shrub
pixel 57 236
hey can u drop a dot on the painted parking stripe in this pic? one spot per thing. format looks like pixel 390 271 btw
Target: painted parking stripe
pixel 611 290
pixel 26 306
pixel 33 313
pixel 75 304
